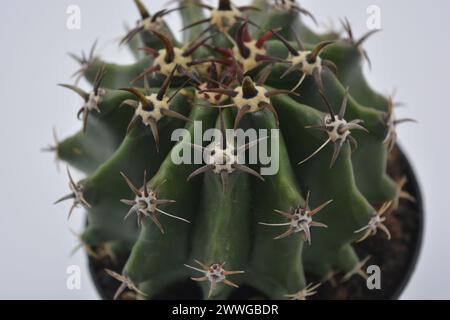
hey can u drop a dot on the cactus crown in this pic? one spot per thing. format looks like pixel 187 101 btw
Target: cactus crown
pixel 255 66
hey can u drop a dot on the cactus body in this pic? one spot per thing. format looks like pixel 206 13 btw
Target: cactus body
pixel 217 224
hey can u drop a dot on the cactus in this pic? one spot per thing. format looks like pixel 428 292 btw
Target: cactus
pixel 222 223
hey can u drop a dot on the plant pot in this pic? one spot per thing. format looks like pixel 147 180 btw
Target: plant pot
pixel 396 258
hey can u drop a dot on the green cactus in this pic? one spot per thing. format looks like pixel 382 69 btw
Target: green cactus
pixel 236 68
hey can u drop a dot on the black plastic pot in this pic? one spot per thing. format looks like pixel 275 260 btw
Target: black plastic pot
pixel 106 286
pixel 413 188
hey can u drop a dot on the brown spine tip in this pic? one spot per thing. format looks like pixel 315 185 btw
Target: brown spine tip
pixel 195 46
pixel 318 49
pixel 327 103
pixel 286 43
pixel 138 94
pixel 142 9
pixel 262 40
pixel 166 84
pixel 83 94
pixel 248 88
pixel 170 52
pixel 224 5
pixel 99 78
pixel 242 36
pixel 148 107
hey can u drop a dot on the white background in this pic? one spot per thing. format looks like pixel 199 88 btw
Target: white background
pixel 411 54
